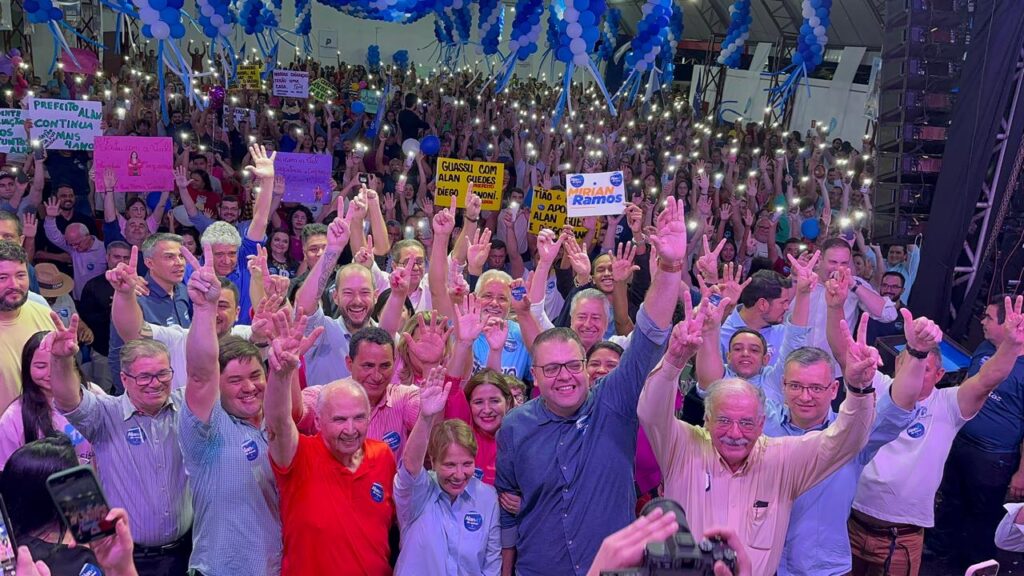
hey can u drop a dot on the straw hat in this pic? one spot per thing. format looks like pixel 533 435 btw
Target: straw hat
pixel 52 282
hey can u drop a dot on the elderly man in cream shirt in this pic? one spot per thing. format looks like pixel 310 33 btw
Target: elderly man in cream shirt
pixel 728 473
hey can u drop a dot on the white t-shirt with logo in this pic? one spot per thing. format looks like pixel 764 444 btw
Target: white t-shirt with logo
pixel 900 483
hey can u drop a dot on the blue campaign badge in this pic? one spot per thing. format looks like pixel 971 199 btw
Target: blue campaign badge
pixel 615 179
pixel 135 436
pixel 916 431
pixel 251 450
pixel 90 570
pixel 576 181
pixel 74 435
pixel 518 293
pixel 90 266
pixel 511 345
pixel 377 492
pixel 393 439
pixel 583 423
pixel 478 473
pixel 473 521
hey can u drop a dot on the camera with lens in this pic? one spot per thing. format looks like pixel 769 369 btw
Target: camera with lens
pixel 680 554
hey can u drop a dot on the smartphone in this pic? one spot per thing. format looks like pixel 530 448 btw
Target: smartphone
pixel 364 178
pixel 79 498
pixel 7 543
pixel 986 568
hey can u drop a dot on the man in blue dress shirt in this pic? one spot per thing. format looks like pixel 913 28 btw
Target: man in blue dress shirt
pixel 568 455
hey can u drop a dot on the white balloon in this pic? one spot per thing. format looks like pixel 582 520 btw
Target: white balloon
pixel 217 20
pixel 650 56
pixel 574 30
pixel 807 11
pixel 411 146
pixel 571 14
pixel 206 10
pixel 580 59
pixel 744 37
pixel 513 44
pixel 814 21
pixel 822 40
pixel 148 15
pixel 819 31
pixel 160 30
pixel 578 46
pixel 641 66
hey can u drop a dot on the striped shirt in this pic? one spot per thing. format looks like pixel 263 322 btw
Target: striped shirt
pixel 139 463
pixel 391 419
pixel 234 494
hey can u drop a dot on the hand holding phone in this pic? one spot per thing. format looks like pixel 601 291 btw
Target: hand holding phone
pixel 79 498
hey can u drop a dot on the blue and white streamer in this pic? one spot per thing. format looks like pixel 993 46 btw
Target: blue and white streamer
pixel 737 34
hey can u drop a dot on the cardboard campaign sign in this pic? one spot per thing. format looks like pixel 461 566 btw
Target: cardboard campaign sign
pixel 65 124
pixel 291 83
pixel 597 194
pixel 141 164
pixel 370 100
pixel 250 76
pixel 307 177
pixel 239 114
pixel 12 131
pixel 323 90
pixel 548 211
pixel 454 176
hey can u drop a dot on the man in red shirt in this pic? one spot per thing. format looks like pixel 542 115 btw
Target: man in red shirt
pixel 336 486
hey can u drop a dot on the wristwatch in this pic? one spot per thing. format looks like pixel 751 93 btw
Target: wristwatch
pixel 869 389
pixel 919 354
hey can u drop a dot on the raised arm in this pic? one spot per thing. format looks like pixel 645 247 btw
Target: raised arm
pixel 263 168
pixel 437 273
pixel 307 299
pixel 286 348
pixel 973 392
pixel 65 383
pixel 433 396
pixel 202 389
pixel 670 241
pixel 125 313
pixel 836 291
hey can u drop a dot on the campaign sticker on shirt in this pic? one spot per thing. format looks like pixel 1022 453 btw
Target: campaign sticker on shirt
pixel 478 473
pixel 511 345
pixel 90 570
pixel 377 492
pixel 583 423
pixel 90 266
pixel 393 439
pixel 74 435
pixel 916 431
pixel 473 521
pixel 135 436
pixel 250 449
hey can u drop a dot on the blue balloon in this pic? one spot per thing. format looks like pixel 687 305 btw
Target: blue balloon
pixel 31 5
pixel 798 58
pixel 358 107
pixel 56 14
pixel 821 12
pixel 564 54
pixel 591 35
pixel 587 20
pixel 430 145
pixel 177 31
pixel 146 31
pixel 810 229
pixel 158 4
pixel 176 4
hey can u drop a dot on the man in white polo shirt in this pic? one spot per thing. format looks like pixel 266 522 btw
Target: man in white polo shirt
pixel 895 498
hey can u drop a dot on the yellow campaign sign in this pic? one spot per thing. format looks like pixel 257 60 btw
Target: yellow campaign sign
pixel 249 76
pixel 454 176
pixel 549 211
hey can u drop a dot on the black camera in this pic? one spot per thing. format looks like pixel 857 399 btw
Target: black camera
pixel 681 554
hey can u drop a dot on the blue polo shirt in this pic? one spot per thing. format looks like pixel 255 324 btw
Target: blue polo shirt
pixel 773 335
pixel 575 475
pixel 999 426
pixel 515 358
pixel 158 307
pixel 817 541
pixel 241 278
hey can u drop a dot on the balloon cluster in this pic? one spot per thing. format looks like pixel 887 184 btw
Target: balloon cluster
pixel 610 34
pixel 42 11
pixel 463 19
pixel 675 27
pixel 650 34
pixel 251 16
pixel 668 49
pixel 577 34
pixel 736 35
pixel 161 19
pixel 216 18
pixel 373 58
pixel 491 21
pixel 810 47
pixel 523 40
pixel 304 22
pixel 401 59
pixel 551 32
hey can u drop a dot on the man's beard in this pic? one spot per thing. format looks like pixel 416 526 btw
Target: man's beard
pixel 5 306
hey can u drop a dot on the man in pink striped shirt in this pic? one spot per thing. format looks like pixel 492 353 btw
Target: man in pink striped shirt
pixel 394 407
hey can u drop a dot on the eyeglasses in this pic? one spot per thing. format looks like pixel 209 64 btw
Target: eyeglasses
pixel 416 263
pixel 814 389
pixel 745 424
pixel 554 369
pixel 144 379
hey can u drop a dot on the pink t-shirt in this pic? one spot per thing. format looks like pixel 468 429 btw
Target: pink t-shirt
pixel 12 434
pixel 457 407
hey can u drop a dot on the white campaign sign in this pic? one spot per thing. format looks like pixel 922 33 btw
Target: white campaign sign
pixel 12 131
pixel 291 83
pixel 65 124
pixel 597 194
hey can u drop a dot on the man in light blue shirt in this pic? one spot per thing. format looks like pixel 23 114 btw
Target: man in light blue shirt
pixel 762 307
pixel 817 541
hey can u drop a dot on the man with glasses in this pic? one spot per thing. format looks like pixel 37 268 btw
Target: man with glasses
pixel 135 437
pixel 728 474
pixel 891 288
pixel 88 255
pixel 565 459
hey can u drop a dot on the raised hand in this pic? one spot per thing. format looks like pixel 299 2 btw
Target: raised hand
pixel 731 285
pixel 578 258
pixel 203 285
pixel 364 257
pixel 434 393
pixel 52 207
pixel 707 264
pixel 357 208
pixel 338 229
pixel 634 218
pixel 30 225
pixel 124 278
pixel 428 344
pixel 861 360
pixel 687 336
pixel 670 238
pixel 180 178
pixel 110 179
pixel 1013 324
pixel 63 341
pixel 287 341
pixel 444 223
pixel 803 271
pixel 469 324
pixel 262 164
pixel 922 334
pixel 521 306
pixel 548 245
pixel 622 262
pixel 478 249
pixel 837 289
pixel 263 317
pixel 496 333
pixel 473 204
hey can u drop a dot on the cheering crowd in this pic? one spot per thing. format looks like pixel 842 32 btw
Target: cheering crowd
pixel 381 384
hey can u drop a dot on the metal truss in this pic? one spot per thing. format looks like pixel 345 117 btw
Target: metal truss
pixel 982 231
pixel 714 17
pixel 785 19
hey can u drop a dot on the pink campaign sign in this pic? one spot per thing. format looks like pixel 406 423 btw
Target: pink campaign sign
pixel 87 62
pixel 307 177
pixel 141 164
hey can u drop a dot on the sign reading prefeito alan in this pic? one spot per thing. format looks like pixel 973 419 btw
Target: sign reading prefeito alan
pixel 454 176
pixel 65 124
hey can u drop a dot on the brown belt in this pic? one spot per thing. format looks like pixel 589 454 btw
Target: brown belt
pixel 874 525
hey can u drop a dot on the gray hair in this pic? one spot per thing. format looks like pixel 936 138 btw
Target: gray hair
pixel 490 276
pixel 588 294
pixel 720 389
pixel 77 227
pixel 221 233
pixel 149 244
pixel 809 356
pixel 142 348
pixel 346 386
pixel 118 244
